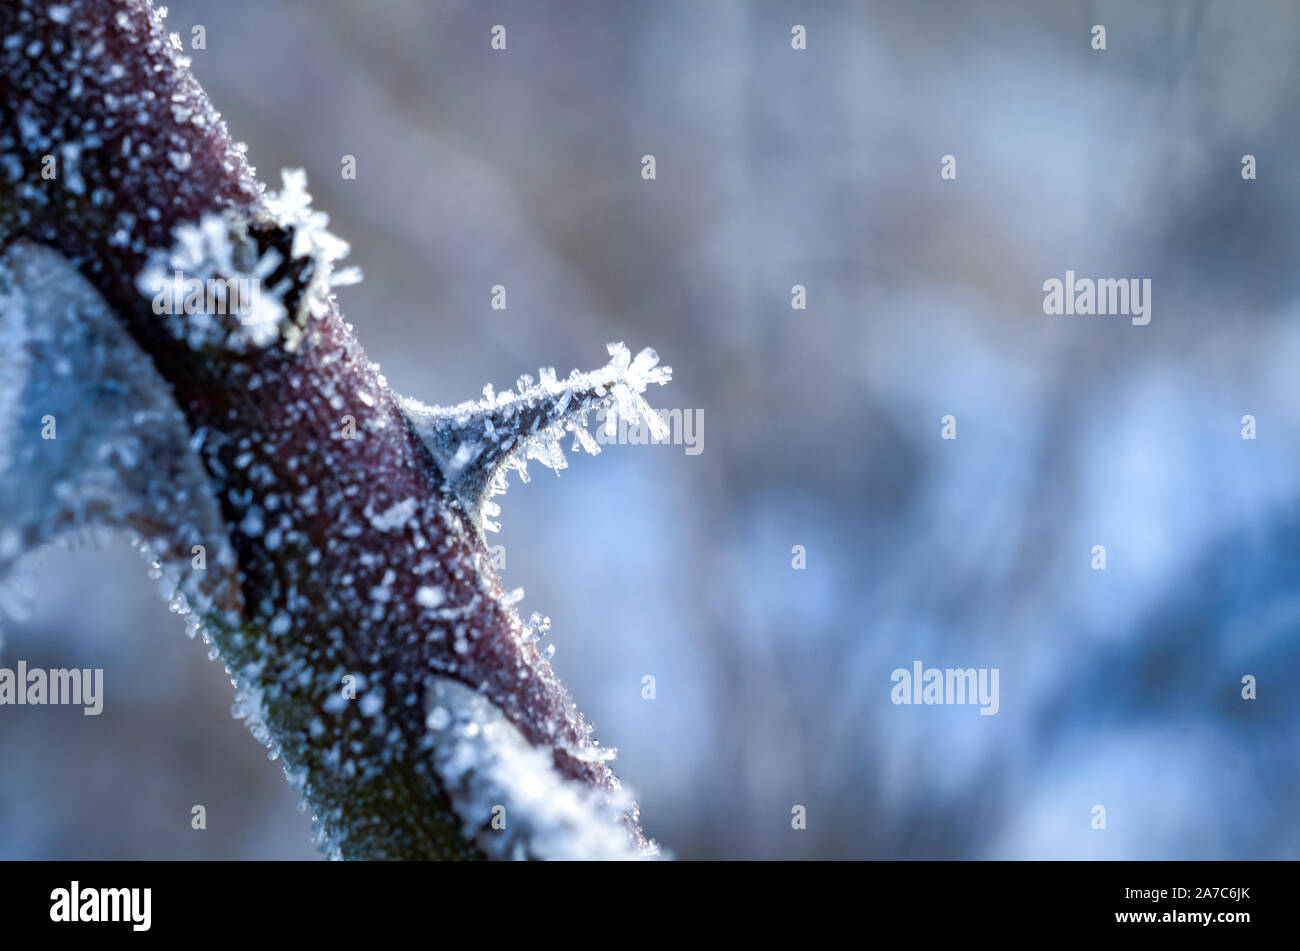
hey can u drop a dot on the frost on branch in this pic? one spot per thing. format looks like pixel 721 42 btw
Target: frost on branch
pixel 218 285
pixel 347 584
pixel 492 770
pixel 477 444
pixel 216 262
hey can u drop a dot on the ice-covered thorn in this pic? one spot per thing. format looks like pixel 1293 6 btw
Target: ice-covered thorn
pixel 474 444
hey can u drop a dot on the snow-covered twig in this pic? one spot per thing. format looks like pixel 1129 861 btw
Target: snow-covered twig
pixel 340 571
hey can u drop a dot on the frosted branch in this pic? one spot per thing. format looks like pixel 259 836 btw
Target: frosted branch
pixel 345 588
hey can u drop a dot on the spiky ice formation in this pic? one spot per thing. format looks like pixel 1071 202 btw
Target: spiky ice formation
pixel 477 444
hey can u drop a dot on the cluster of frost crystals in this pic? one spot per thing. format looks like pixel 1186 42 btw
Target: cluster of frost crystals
pixel 477 444
pixel 510 799
pixel 209 287
pixel 628 380
pixel 290 208
pixel 250 706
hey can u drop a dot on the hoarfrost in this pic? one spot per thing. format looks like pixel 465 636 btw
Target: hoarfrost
pixel 476 444
pixel 207 288
pixel 395 516
pixel 486 764
pixel 291 208
pixel 210 286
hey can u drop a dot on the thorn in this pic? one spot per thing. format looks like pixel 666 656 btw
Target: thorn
pixel 476 444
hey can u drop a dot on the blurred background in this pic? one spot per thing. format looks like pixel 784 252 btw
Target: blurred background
pixel 821 427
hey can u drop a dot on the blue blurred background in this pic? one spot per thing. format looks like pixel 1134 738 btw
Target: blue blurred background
pixel 821 428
